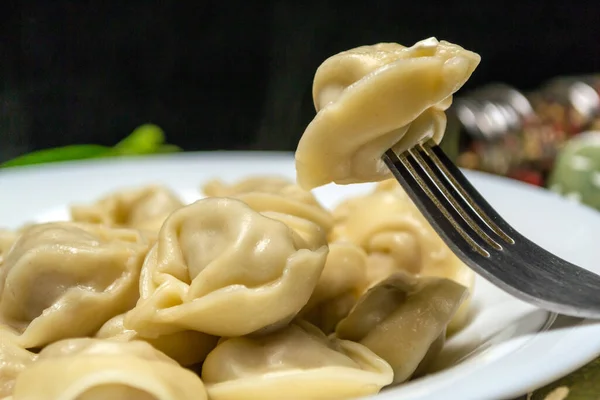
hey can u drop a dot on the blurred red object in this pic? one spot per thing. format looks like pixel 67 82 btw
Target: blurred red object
pixel 528 176
pixel 505 132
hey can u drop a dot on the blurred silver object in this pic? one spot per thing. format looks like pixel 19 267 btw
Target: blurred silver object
pixel 579 93
pixel 503 131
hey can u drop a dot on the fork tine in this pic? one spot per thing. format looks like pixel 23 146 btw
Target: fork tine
pixel 444 200
pixel 472 219
pixel 522 269
pixel 469 193
pixel 433 208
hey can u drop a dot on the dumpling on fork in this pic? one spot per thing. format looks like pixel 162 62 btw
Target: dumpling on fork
pixel 297 362
pixel 93 369
pixel 221 268
pixel 373 98
pixel 64 279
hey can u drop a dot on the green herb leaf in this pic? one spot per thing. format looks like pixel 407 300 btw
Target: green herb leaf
pixel 74 152
pixel 145 139
pixel 168 148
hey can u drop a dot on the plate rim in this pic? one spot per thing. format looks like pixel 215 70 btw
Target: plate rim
pixel 412 390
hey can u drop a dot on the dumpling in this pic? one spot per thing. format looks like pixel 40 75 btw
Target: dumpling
pixel 143 208
pixel 403 320
pixel 297 362
pixel 94 369
pixel 13 360
pixel 292 200
pixel 387 221
pixel 396 236
pixel 185 347
pixel 65 279
pixel 310 221
pixel 282 200
pixel 373 98
pixel 310 232
pixel 342 282
pixel 221 268
pixel 258 183
pixel 7 238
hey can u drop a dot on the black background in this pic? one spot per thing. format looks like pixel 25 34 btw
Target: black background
pixel 238 74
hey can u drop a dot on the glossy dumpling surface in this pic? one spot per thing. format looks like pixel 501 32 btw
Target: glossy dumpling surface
pixel 297 362
pixel 93 369
pixel 402 318
pixel 221 268
pixel 257 183
pixel 342 282
pixel 65 279
pixel 13 360
pixel 282 200
pixel 186 347
pixel 7 238
pixel 397 237
pixel 143 208
pixel 373 98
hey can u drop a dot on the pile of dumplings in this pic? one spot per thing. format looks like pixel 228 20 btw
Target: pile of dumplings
pixel 256 291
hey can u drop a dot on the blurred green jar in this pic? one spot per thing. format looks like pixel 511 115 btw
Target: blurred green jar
pixel 576 172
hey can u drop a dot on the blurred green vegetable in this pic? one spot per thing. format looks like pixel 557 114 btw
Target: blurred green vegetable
pixel 576 172
pixel 583 384
pixel 75 152
pixel 145 139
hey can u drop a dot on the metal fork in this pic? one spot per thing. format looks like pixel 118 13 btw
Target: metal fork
pixel 485 242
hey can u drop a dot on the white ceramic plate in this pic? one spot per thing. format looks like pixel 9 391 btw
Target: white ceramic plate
pixel 512 347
